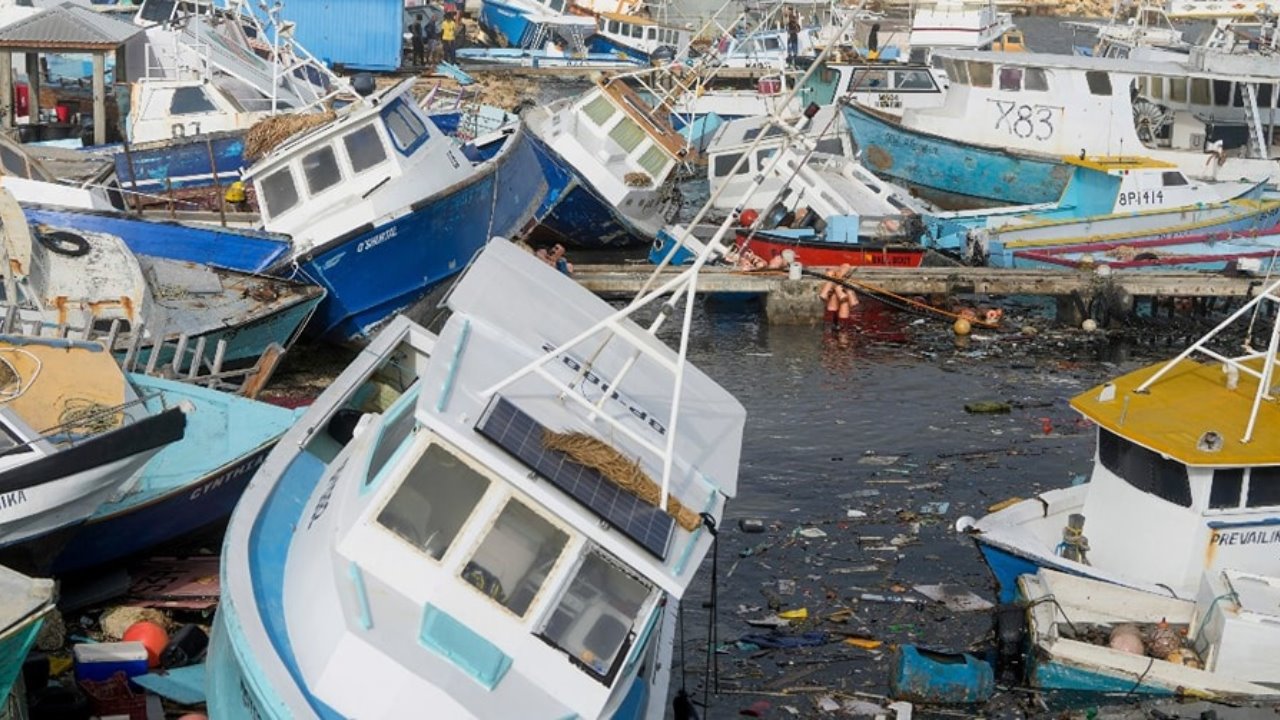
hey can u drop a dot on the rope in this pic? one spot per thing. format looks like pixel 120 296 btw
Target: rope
pixel 1074 539
pixel 87 416
pixel 713 660
pixel 13 376
pixel 894 300
pixel 1142 677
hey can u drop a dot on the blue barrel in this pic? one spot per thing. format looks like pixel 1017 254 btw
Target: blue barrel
pixel 925 676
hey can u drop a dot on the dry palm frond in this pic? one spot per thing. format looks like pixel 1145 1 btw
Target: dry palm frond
pixel 269 133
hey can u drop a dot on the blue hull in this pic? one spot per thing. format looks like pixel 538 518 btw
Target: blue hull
pixel 190 484
pixel 243 250
pixel 1056 676
pixel 602 44
pixel 14 647
pixel 509 23
pixel 374 273
pixel 573 213
pixel 184 162
pixel 954 173
pixel 1007 567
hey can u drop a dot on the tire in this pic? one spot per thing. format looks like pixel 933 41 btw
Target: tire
pixel 64 243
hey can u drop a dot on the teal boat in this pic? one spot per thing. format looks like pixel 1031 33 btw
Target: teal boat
pixel 24 603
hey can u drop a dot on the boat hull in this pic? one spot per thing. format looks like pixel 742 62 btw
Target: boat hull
pixel 15 643
pixel 508 23
pixel 821 254
pixel 951 173
pixel 575 214
pixel 373 273
pixel 1213 252
pixel 182 162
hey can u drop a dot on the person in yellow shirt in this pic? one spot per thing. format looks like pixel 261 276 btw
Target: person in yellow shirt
pixel 449 36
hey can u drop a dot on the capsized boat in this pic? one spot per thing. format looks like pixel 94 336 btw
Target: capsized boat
pixel 191 484
pixel 1217 645
pixel 1186 478
pixel 442 522
pixel 1108 200
pixel 1252 251
pixel 75 433
pixel 608 157
pixel 83 280
pixel 24 604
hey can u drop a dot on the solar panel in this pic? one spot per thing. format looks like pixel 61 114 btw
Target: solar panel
pixel 517 433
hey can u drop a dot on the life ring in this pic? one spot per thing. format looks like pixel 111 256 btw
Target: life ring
pixel 64 243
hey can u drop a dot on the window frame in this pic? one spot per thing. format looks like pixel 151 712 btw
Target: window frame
pixel 346 149
pixel 337 167
pixel 570 546
pixel 273 213
pixel 402 109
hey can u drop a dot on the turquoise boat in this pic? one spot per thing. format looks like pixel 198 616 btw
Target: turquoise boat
pixel 1108 201
pixel 24 603
pixel 189 485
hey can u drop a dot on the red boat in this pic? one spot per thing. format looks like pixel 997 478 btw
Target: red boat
pixel 811 249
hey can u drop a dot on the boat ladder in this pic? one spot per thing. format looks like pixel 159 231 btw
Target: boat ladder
pixel 1257 145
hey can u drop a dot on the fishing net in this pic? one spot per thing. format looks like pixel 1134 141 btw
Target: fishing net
pixel 269 133
pixel 618 469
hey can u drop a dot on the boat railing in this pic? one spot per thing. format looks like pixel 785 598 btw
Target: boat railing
pixel 176 358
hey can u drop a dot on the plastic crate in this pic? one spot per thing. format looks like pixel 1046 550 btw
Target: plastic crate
pixel 114 696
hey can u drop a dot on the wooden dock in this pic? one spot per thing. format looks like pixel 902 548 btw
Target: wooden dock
pixel 789 301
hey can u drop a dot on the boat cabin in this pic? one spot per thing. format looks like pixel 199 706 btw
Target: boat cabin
pixel 637 36
pixel 1113 185
pixel 888 87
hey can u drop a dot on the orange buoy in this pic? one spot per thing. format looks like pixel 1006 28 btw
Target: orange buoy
pixel 748 218
pixel 152 636
pixel 961 327
pixel 193 716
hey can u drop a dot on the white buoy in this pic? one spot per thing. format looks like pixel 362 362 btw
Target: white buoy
pixel 1090 325
pixel 794 271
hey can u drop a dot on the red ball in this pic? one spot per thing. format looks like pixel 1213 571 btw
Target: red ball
pixel 748 218
pixel 194 716
pixel 152 636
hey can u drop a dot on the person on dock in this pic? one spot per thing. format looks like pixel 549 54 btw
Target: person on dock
pixel 840 300
pixel 449 35
pixel 419 48
pixel 431 37
pixel 793 36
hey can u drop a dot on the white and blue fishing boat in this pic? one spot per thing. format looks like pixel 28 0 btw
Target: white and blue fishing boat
pixel 24 604
pixel 76 432
pixel 381 207
pixel 445 516
pixel 550 55
pixel 1107 201
pixel 1185 479
pixel 1217 644
pixel 191 484
pixel 637 37
pixel 529 23
pixel 607 156
pixel 1008 120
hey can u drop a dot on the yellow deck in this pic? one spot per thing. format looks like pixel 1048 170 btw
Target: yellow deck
pixel 1190 400
pixel 58 384
pixel 1110 163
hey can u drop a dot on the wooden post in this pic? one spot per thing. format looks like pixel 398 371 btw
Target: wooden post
pixel 33 88
pixel 6 88
pixel 100 98
pixel 217 181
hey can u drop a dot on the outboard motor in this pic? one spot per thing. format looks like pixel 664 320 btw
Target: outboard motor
pixel 363 84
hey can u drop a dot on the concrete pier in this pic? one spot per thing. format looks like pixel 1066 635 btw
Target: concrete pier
pixel 1079 293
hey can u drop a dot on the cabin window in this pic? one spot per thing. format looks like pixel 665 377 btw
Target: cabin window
pixel 637 31
pixel 602 23
pixel 762 157
pixel 613 26
pixel 652 34
pixel 1010 78
pixel 321 170
pixel 434 501
pixel 599 110
pixel 1099 82
pixel 397 423
pixel 873 79
pixel 1200 91
pixel 1155 88
pixel 190 101
pixel 1178 90
pixel 557 5
pixel 918 56
pixel 14 163
pixel 279 192
pixel 833 146
pixel 980 74
pixel 724 164
pixel 627 134
pixel 1144 469
pixel 1227 484
pixel 593 620
pixel 654 161
pixel 1264 487
pixel 406 128
pixel 913 80
pixel 1222 93
pixel 1172 178
pixel 364 148
pixel 772 44
pixel 1264 95
pixel 961 75
pixel 10 444
pixel 513 561
pixel 1035 79
pixel 935 63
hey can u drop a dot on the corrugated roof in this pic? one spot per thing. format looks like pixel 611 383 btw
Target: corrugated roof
pixel 67 27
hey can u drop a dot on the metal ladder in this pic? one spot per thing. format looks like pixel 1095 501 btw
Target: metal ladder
pixel 1257 145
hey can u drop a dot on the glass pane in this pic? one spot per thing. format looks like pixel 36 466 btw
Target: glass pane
pixel 1221 93
pixel 594 617
pixel 1144 469
pixel 599 110
pixel 627 134
pixel 1200 91
pixel 913 80
pixel 1035 79
pixel 1099 82
pixel 829 145
pixel 321 169
pixel 278 192
pixel 1225 492
pixel 654 161
pixel 980 74
pixel 405 125
pixel 190 100
pixel 1156 88
pixel 14 163
pixel 395 430
pixel 434 501
pixel 762 158
pixel 1264 487
pixel 1010 78
pixel 1178 89
pixel 364 148
pixel 513 561
pixel 724 164
pixel 1173 178
pixel 613 26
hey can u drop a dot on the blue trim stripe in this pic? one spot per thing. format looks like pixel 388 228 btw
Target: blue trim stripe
pixel 447 389
pixel 469 651
pixel 362 597
pixel 693 537
pixel 638 647
pixel 1260 522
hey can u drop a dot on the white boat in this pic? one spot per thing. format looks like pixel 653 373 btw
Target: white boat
pixel 1221 644
pixel 426 530
pixel 1185 479
pixel 914 32
pixel 24 604
pixel 1147 34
